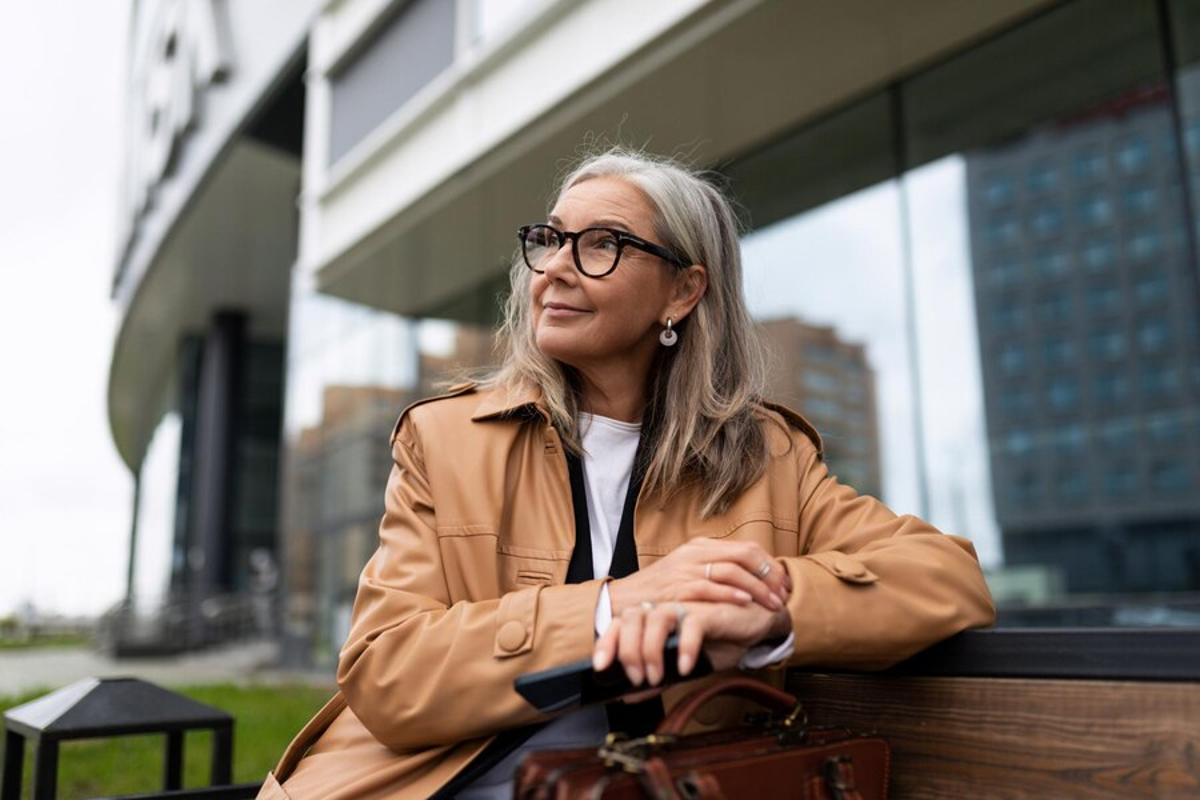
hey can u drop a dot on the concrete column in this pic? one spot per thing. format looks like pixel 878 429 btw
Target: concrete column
pixel 209 557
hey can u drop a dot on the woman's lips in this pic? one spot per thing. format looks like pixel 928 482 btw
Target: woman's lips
pixel 562 310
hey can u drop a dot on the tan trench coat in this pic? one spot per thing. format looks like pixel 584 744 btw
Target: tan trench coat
pixel 466 590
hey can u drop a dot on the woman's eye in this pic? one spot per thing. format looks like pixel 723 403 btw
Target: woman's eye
pixel 540 237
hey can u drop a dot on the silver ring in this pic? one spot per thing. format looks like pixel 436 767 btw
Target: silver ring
pixel 764 569
pixel 647 606
pixel 708 571
pixel 680 614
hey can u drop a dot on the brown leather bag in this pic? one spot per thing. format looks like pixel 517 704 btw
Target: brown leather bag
pixel 777 756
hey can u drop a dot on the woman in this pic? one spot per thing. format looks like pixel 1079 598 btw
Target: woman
pixel 618 478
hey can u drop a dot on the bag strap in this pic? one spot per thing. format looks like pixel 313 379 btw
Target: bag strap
pixel 839 778
pixel 738 686
pixel 836 781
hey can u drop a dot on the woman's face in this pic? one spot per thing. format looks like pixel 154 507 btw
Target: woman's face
pixel 609 327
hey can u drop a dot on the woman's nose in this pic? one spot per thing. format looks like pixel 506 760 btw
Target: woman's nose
pixel 561 265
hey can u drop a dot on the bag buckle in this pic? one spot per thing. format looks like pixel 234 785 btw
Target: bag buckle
pixel 631 754
pixel 839 777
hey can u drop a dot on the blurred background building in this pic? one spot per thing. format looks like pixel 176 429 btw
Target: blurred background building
pixel 1087 307
pixel 970 240
pixel 832 381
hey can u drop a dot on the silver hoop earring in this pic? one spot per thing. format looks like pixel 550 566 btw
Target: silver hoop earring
pixel 668 337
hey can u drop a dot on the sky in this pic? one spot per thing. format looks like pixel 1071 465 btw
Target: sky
pixel 65 496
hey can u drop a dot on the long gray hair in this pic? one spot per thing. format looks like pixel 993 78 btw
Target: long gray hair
pixel 701 423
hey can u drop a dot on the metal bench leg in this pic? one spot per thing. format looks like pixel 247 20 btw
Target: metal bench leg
pixel 222 755
pixel 14 765
pixel 45 770
pixel 173 765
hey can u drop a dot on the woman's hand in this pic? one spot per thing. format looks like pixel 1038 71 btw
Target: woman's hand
pixel 636 638
pixel 710 570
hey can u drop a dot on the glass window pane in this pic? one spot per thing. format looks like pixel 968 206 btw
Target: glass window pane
pixel 1079 409
pixel 351 370
pixel 824 277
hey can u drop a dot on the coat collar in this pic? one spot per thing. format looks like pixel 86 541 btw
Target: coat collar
pixel 504 402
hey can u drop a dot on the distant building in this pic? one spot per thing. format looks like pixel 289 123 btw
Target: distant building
pixel 338 469
pixel 473 348
pixel 829 381
pixel 1086 305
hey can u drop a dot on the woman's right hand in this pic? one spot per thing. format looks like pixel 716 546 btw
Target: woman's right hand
pixel 708 570
pixel 637 637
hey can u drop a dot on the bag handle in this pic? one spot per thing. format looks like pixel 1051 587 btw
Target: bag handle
pixel 748 688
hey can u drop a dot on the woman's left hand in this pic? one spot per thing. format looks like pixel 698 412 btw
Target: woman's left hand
pixel 638 635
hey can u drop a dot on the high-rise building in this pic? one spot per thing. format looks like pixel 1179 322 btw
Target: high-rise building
pixel 831 383
pixel 1086 302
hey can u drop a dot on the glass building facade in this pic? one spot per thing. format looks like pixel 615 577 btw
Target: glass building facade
pixel 980 282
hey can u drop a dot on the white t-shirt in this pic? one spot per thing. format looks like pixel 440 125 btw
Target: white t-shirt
pixel 609 447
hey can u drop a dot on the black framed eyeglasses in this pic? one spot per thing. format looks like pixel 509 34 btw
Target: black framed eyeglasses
pixel 597 251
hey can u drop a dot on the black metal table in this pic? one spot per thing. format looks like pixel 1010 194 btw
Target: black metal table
pixel 97 708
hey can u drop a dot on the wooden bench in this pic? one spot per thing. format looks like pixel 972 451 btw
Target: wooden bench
pixel 1038 713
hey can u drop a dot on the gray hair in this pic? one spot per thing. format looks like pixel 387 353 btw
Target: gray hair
pixel 702 415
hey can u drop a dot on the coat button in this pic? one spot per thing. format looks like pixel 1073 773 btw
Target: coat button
pixel 511 635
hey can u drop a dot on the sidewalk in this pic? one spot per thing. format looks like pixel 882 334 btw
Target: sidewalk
pixel 55 667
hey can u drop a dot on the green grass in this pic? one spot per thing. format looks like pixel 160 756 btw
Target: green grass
pixel 45 641
pixel 266 719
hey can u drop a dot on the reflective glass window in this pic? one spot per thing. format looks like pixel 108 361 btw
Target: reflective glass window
pixel 1089 164
pixel 1140 200
pixel 1042 177
pixel 1100 254
pixel 1133 154
pixel 1036 236
pixel 1095 210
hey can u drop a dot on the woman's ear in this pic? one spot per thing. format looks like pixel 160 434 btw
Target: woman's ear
pixel 690 285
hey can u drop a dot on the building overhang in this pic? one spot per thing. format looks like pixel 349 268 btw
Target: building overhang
pixel 208 213
pixel 232 250
pixel 420 217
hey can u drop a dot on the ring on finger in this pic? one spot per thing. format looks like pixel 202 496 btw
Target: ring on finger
pixel 764 569
pixel 680 614
pixel 708 571
pixel 647 606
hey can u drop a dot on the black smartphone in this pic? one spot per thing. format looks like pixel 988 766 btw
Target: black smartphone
pixel 577 684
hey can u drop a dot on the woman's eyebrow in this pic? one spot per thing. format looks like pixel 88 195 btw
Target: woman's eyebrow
pixel 609 222
pixel 602 222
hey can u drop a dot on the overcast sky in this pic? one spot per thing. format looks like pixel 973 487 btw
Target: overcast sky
pixel 65 497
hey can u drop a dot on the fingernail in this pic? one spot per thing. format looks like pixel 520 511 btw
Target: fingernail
pixel 635 676
pixel 598 660
pixel 652 676
pixel 743 597
pixel 685 663
pixel 776 603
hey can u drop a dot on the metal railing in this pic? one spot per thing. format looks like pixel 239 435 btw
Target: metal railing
pixel 180 623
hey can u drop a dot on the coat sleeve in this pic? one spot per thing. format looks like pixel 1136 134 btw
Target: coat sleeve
pixel 419 671
pixel 872 588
